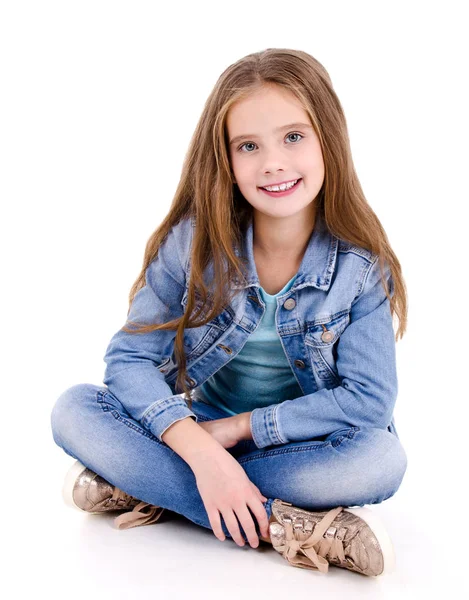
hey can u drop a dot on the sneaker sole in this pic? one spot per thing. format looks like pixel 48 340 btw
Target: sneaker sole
pixel 379 530
pixel 69 483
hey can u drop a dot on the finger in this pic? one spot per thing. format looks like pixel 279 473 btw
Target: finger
pixel 232 525
pixel 215 523
pixel 248 525
pixel 260 513
pixel 259 493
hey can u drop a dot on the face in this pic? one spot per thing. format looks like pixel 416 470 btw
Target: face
pixel 269 153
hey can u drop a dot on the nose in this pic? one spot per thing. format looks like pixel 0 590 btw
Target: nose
pixel 273 161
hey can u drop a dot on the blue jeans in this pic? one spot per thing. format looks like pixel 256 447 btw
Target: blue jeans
pixel 349 467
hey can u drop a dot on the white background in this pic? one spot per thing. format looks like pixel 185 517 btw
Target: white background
pixel 98 103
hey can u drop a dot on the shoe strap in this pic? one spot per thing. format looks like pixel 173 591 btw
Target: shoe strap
pixel 314 548
pixel 142 514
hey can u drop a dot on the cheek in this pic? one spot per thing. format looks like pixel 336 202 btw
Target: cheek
pixel 314 168
pixel 237 167
pixel 244 173
pixel 312 159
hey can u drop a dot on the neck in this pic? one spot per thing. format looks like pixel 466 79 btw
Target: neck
pixel 282 239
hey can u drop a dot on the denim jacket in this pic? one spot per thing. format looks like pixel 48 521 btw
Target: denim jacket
pixel 334 324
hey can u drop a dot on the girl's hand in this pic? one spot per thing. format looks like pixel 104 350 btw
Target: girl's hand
pixel 226 431
pixel 226 489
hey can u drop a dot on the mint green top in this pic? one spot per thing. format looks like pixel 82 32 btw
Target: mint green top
pixel 260 374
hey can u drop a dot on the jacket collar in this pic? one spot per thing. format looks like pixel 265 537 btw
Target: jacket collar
pixel 316 268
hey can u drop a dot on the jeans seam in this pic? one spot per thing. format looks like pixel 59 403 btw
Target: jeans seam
pixel 261 455
pixel 334 443
pixel 106 407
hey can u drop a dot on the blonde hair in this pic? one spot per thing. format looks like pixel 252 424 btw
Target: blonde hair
pixel 206 191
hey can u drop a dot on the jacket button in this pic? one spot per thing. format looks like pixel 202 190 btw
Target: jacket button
pixel 327 336
pixel 191 382
pixel 289 304
pixel 227 349
pixel 300 364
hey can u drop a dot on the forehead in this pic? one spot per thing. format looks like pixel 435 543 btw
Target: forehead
pixel 264 110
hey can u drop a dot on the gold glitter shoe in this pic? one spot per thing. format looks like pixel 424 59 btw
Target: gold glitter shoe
pixel 87 491
pixel 350 538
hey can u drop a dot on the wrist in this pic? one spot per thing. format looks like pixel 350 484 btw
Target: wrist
pixel 188 439
pixel 244 424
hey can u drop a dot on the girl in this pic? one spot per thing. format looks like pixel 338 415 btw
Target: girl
pixel 253 385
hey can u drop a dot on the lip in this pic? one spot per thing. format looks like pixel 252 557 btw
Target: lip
pixel 280 182
pixel 285 193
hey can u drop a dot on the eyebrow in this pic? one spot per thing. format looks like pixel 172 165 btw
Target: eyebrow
pixel 238 138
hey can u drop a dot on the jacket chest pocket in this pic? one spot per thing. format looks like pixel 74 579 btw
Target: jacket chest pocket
pixel 198 340
pixel 321 339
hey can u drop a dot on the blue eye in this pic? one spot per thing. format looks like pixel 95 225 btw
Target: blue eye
pixel 295 134
pixel 245 144
pixel 252 143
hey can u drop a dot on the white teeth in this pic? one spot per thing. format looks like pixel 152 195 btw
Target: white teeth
pixel 282 187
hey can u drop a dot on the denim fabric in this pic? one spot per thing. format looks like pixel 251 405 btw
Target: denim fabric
pixel 351 467
pixel 334 324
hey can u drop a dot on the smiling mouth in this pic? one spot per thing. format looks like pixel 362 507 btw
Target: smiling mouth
pixel 285 192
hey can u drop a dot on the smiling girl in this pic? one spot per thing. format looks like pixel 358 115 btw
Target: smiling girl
pixel 253 386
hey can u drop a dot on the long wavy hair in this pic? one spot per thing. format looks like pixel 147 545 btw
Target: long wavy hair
pixel 207 191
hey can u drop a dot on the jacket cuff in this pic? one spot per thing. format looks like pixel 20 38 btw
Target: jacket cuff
pixel 163 413
pixel 264 427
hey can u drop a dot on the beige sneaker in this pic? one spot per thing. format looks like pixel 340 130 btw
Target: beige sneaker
pixel 87 491
pixel 351 538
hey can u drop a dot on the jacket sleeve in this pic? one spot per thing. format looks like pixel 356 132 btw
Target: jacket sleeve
pixel 366 364
pixel 132 359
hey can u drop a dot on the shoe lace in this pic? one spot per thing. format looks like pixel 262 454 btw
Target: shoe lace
pixel 312 551
pixel 142 513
